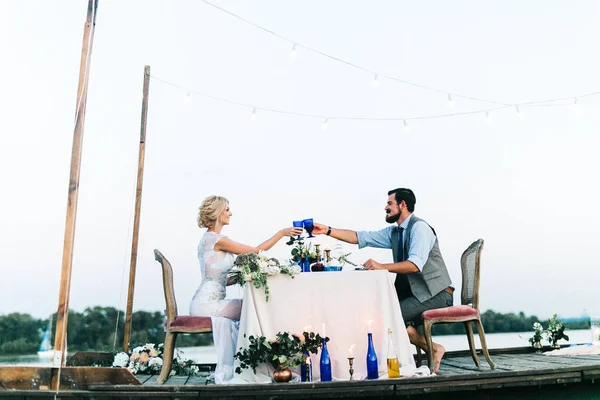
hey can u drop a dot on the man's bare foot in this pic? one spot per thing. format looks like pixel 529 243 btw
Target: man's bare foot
pixel 439 351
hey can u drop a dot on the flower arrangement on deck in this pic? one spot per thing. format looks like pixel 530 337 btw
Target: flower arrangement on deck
pixel 148 359
pixel 556 331
pixel 538 335
pixel 284 352
pixel 255 268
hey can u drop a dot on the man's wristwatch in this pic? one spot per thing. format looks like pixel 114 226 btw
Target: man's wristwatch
pixel 328 231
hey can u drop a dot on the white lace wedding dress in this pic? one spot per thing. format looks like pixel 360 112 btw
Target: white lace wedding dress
pixel 210 301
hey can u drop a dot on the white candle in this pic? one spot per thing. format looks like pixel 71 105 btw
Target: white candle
pixel 324 334
pixel 369 322
pixel 351 351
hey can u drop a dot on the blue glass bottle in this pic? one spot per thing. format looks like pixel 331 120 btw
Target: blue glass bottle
pixel 325 363
pixel 306 368
pixel 305 264
pixel 372 367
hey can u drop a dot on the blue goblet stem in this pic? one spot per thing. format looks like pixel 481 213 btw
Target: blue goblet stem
pixel 298 224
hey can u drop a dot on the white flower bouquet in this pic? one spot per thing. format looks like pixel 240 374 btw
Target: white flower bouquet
pixel 148 359
pixel 255 268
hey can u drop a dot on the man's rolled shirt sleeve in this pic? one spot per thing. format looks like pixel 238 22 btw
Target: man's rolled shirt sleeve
pixel 422 240
pixel 380 239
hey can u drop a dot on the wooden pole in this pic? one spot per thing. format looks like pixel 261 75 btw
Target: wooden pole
pixel 138 204
pixel 60 338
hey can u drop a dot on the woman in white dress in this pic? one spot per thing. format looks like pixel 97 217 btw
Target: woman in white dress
pixel 216 254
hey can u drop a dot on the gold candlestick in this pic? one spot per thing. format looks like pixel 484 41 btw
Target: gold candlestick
pixel 327 256
pixel 351 370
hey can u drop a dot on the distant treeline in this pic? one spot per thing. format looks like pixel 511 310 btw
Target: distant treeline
pixel 94 329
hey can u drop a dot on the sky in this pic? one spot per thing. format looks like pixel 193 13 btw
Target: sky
pixel 525 186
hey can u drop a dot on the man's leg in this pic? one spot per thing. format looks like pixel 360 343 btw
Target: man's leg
pixel 419 340
pixel 411 312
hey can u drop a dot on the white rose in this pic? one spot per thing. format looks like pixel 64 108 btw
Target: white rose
pixel 121 360
pixel 295 269
pixel 263 265
pixel 271 270
pixel 138 349
pixel 155 363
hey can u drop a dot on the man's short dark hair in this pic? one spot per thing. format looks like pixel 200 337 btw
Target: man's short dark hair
pixel 405 194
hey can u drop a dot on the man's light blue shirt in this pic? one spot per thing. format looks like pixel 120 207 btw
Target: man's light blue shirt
pixel 422 240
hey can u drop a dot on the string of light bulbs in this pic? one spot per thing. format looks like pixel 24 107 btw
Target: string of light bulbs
pixel 376 82
pixel 572 101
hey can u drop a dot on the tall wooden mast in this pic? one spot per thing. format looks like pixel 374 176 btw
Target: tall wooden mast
pixel 138 204
pixel 60 338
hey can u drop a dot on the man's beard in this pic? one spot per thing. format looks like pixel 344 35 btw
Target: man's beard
pixel 391 219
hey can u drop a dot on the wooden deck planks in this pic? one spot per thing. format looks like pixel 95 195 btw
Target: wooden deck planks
pixel 457 374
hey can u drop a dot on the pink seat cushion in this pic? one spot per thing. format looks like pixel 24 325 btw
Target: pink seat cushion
pixel 454 312
pixel 186 321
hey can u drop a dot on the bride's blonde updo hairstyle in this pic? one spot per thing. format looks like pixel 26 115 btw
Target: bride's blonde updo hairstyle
pixel 210 209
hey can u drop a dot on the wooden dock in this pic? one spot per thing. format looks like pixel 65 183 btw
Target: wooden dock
pixel 528 375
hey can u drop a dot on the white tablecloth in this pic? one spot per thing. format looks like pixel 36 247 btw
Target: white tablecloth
pixel 344 301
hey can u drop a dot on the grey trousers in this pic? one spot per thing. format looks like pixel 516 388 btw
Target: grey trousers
pixel 412 308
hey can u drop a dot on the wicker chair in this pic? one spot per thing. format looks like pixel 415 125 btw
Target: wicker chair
pixel 467 312
pixel 175 324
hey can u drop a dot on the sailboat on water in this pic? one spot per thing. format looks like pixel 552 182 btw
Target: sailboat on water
pixel 46 351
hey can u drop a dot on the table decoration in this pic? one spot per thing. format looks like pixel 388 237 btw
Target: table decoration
pixel 256 268
pixel 393 366
pixel 286 351
pixel 325 362
pixel 351 361
pixel 372 366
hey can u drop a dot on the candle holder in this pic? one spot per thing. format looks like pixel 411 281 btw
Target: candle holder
pixel 351 370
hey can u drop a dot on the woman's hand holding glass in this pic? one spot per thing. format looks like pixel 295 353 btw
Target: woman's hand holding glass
pixel 292 231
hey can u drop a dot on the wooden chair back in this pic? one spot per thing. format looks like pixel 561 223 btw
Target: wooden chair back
pixel 470 265
pixel 167 271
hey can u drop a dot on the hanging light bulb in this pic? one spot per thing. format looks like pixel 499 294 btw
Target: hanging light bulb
pixel 293 53
pixel 253 115
pixel 520 114
pixel 325 124
pixel 488 117
pixel 406 127
pixel 188 97
pixel 375 82
pixel 450 101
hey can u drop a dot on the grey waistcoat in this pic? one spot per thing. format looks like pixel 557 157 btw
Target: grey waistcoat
pixel 434 276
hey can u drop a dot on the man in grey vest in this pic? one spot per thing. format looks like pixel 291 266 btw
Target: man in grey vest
pixel 422 279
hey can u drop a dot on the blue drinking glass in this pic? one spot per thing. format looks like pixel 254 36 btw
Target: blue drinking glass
pixel 298 224
pixel 309 226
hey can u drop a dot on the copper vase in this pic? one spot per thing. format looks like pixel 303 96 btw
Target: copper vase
pixel 282 374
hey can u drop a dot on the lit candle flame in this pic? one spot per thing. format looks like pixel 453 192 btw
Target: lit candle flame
pixel 351 351
pixel 369 322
